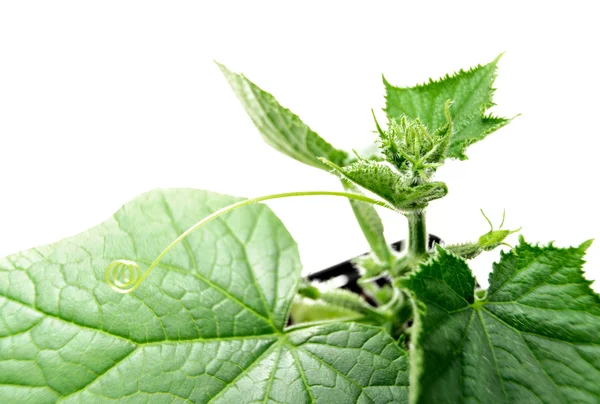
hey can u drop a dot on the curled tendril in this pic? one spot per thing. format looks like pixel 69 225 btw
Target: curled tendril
pixel 125 276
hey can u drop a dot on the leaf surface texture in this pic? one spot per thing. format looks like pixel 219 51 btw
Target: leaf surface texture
pixel 207 325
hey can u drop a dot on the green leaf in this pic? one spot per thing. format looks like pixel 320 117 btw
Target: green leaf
pixel 206 325
pixel 281 128
pixel 471 94
pixel 286 132
pixel 383 181
pixel 534 338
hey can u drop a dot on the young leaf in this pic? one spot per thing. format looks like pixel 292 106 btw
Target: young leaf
pixel 383 181
pixel 471 94
pixel 416 153
pixel 279 126
pixel 487 242
pixel 535 337
pixel 206 325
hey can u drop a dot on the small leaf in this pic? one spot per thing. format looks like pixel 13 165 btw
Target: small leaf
pixel 281 128
pixel 206 325
pixel 534 338
pixel 471 95
pixel 383 181
pixel 487 242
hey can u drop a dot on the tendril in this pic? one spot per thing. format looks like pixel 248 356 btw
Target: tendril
pixel 125 276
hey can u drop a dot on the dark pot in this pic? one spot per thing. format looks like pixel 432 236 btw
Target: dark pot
pixel 348 270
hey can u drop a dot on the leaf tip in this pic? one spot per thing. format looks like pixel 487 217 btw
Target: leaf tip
pixel 329 164
pixel 495 61
pixel 386 83
pixel 441 251
pixel 585 245
pixel 222 67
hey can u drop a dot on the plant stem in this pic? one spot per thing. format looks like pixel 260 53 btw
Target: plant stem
pixel 346 300
pixel 417 234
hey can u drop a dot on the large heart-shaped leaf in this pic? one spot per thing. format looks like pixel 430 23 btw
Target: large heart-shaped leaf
pixel 535 337
pixel 206 325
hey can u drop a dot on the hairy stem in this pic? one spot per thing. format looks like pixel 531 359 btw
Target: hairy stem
pixel 417 234
pixel 347 300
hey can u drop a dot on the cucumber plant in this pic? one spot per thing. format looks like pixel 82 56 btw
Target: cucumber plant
pixel 185 295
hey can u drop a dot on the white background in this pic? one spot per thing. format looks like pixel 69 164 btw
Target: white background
pixel 101 101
